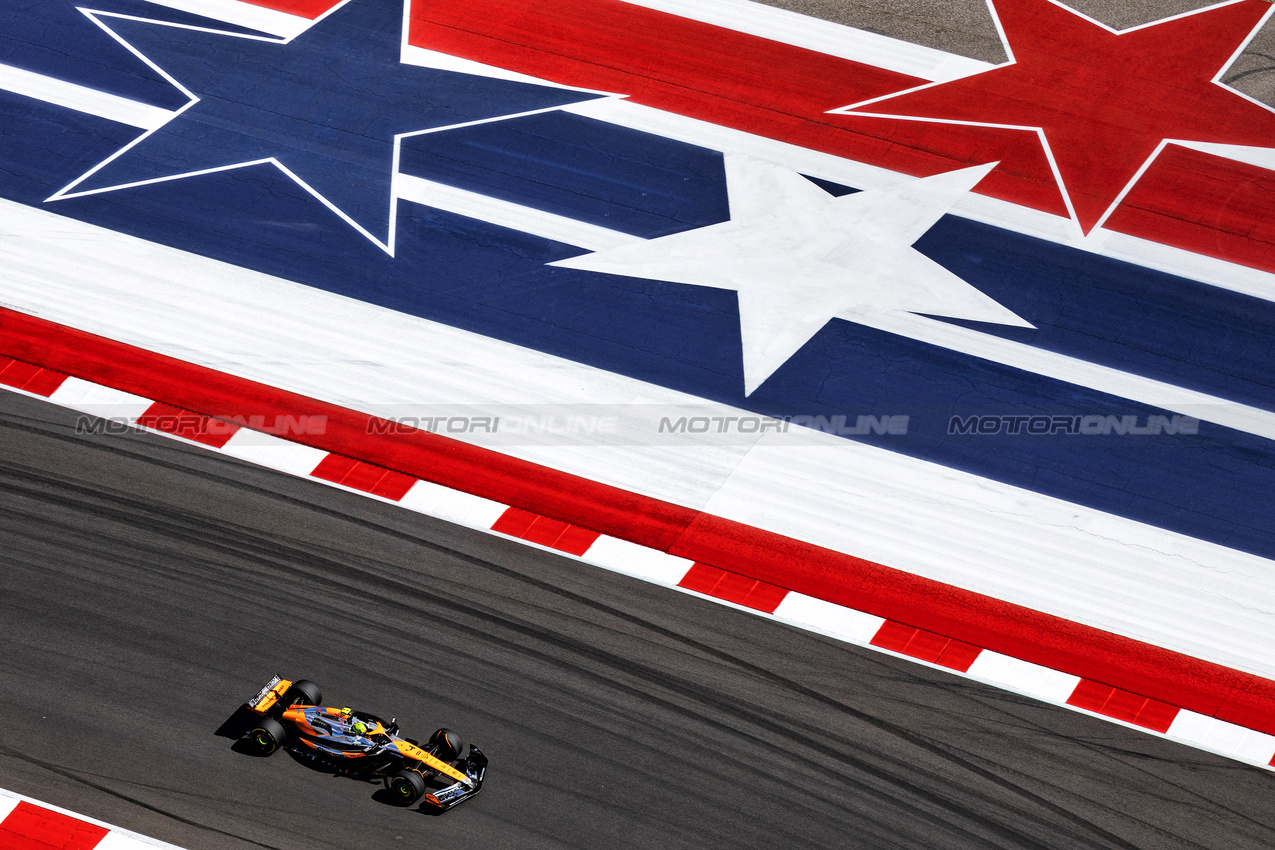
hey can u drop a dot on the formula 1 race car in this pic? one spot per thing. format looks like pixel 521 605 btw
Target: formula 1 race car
pixel 286 715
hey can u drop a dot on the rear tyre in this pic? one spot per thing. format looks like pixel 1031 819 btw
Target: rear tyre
pixel 267 736
pixel 406 787
pixel 446 744
pixel 303 692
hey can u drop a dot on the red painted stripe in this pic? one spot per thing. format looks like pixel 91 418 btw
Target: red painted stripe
pixel 188 425
pixel 553 533
pixel 1229 215
pixel 733 587
pixel 33 379
pixel 31 827
pixel 729 78
pixel 367 477
pixel 972 618
pixel 1123 705
pixel 927 646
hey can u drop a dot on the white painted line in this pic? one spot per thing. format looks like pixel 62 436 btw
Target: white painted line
pixel 1260 157
pixel 1023 677
pixel 99 401
pixel 1224 738
pixel 120 840
pixel 1176 261
pixel 445 62
pixel 273 452
pixel 1073 370
pixel 827 618
pixel 641 562
pixel 452 505
pixel 7 804
pixel 780 25
pixel 507 214
pixel 243 14
pixel 424 58
pixel 82 99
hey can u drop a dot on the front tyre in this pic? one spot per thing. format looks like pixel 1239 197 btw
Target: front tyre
pixel 406 787
pixel 447 745
pixel 267 736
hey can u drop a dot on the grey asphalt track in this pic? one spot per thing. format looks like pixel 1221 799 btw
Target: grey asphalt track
pixel 148 588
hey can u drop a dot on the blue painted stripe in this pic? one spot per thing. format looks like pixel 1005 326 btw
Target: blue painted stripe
pixel 55 38
pixel 1132 318
pixel 588 170
pixel 40 145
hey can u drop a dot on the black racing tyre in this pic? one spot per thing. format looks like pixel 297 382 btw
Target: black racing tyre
pixel 406 787
pixel 446 744
pixel 267 735
pixel 303 692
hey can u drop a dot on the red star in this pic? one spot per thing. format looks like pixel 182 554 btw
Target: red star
pixel 1101 101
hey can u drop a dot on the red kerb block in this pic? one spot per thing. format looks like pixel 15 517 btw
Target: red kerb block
pixel 30 827
pixel 927 646
pixel 187 425
pixel 1123 705
pixel 367 477
pixel 553 533
pixel 733 587
pixel 33 379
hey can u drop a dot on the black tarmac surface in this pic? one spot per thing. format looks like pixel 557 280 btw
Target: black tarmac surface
pixel 148 588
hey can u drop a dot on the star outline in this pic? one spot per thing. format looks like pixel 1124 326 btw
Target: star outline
pixel 388 245
pixel 1075 225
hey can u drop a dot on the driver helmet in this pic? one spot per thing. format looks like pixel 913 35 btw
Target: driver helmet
pixel 358 727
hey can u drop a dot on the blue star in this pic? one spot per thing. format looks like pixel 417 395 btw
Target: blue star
pixel 327 108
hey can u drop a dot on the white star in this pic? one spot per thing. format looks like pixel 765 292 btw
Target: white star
pixel 798 257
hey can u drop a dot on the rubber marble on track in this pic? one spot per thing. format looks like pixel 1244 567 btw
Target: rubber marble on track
pixel 147 588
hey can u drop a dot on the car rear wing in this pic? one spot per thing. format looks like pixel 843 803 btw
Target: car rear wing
pixel 269 695
pixel 474 766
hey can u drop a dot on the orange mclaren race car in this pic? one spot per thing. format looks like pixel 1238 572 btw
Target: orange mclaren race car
pixel 287 715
